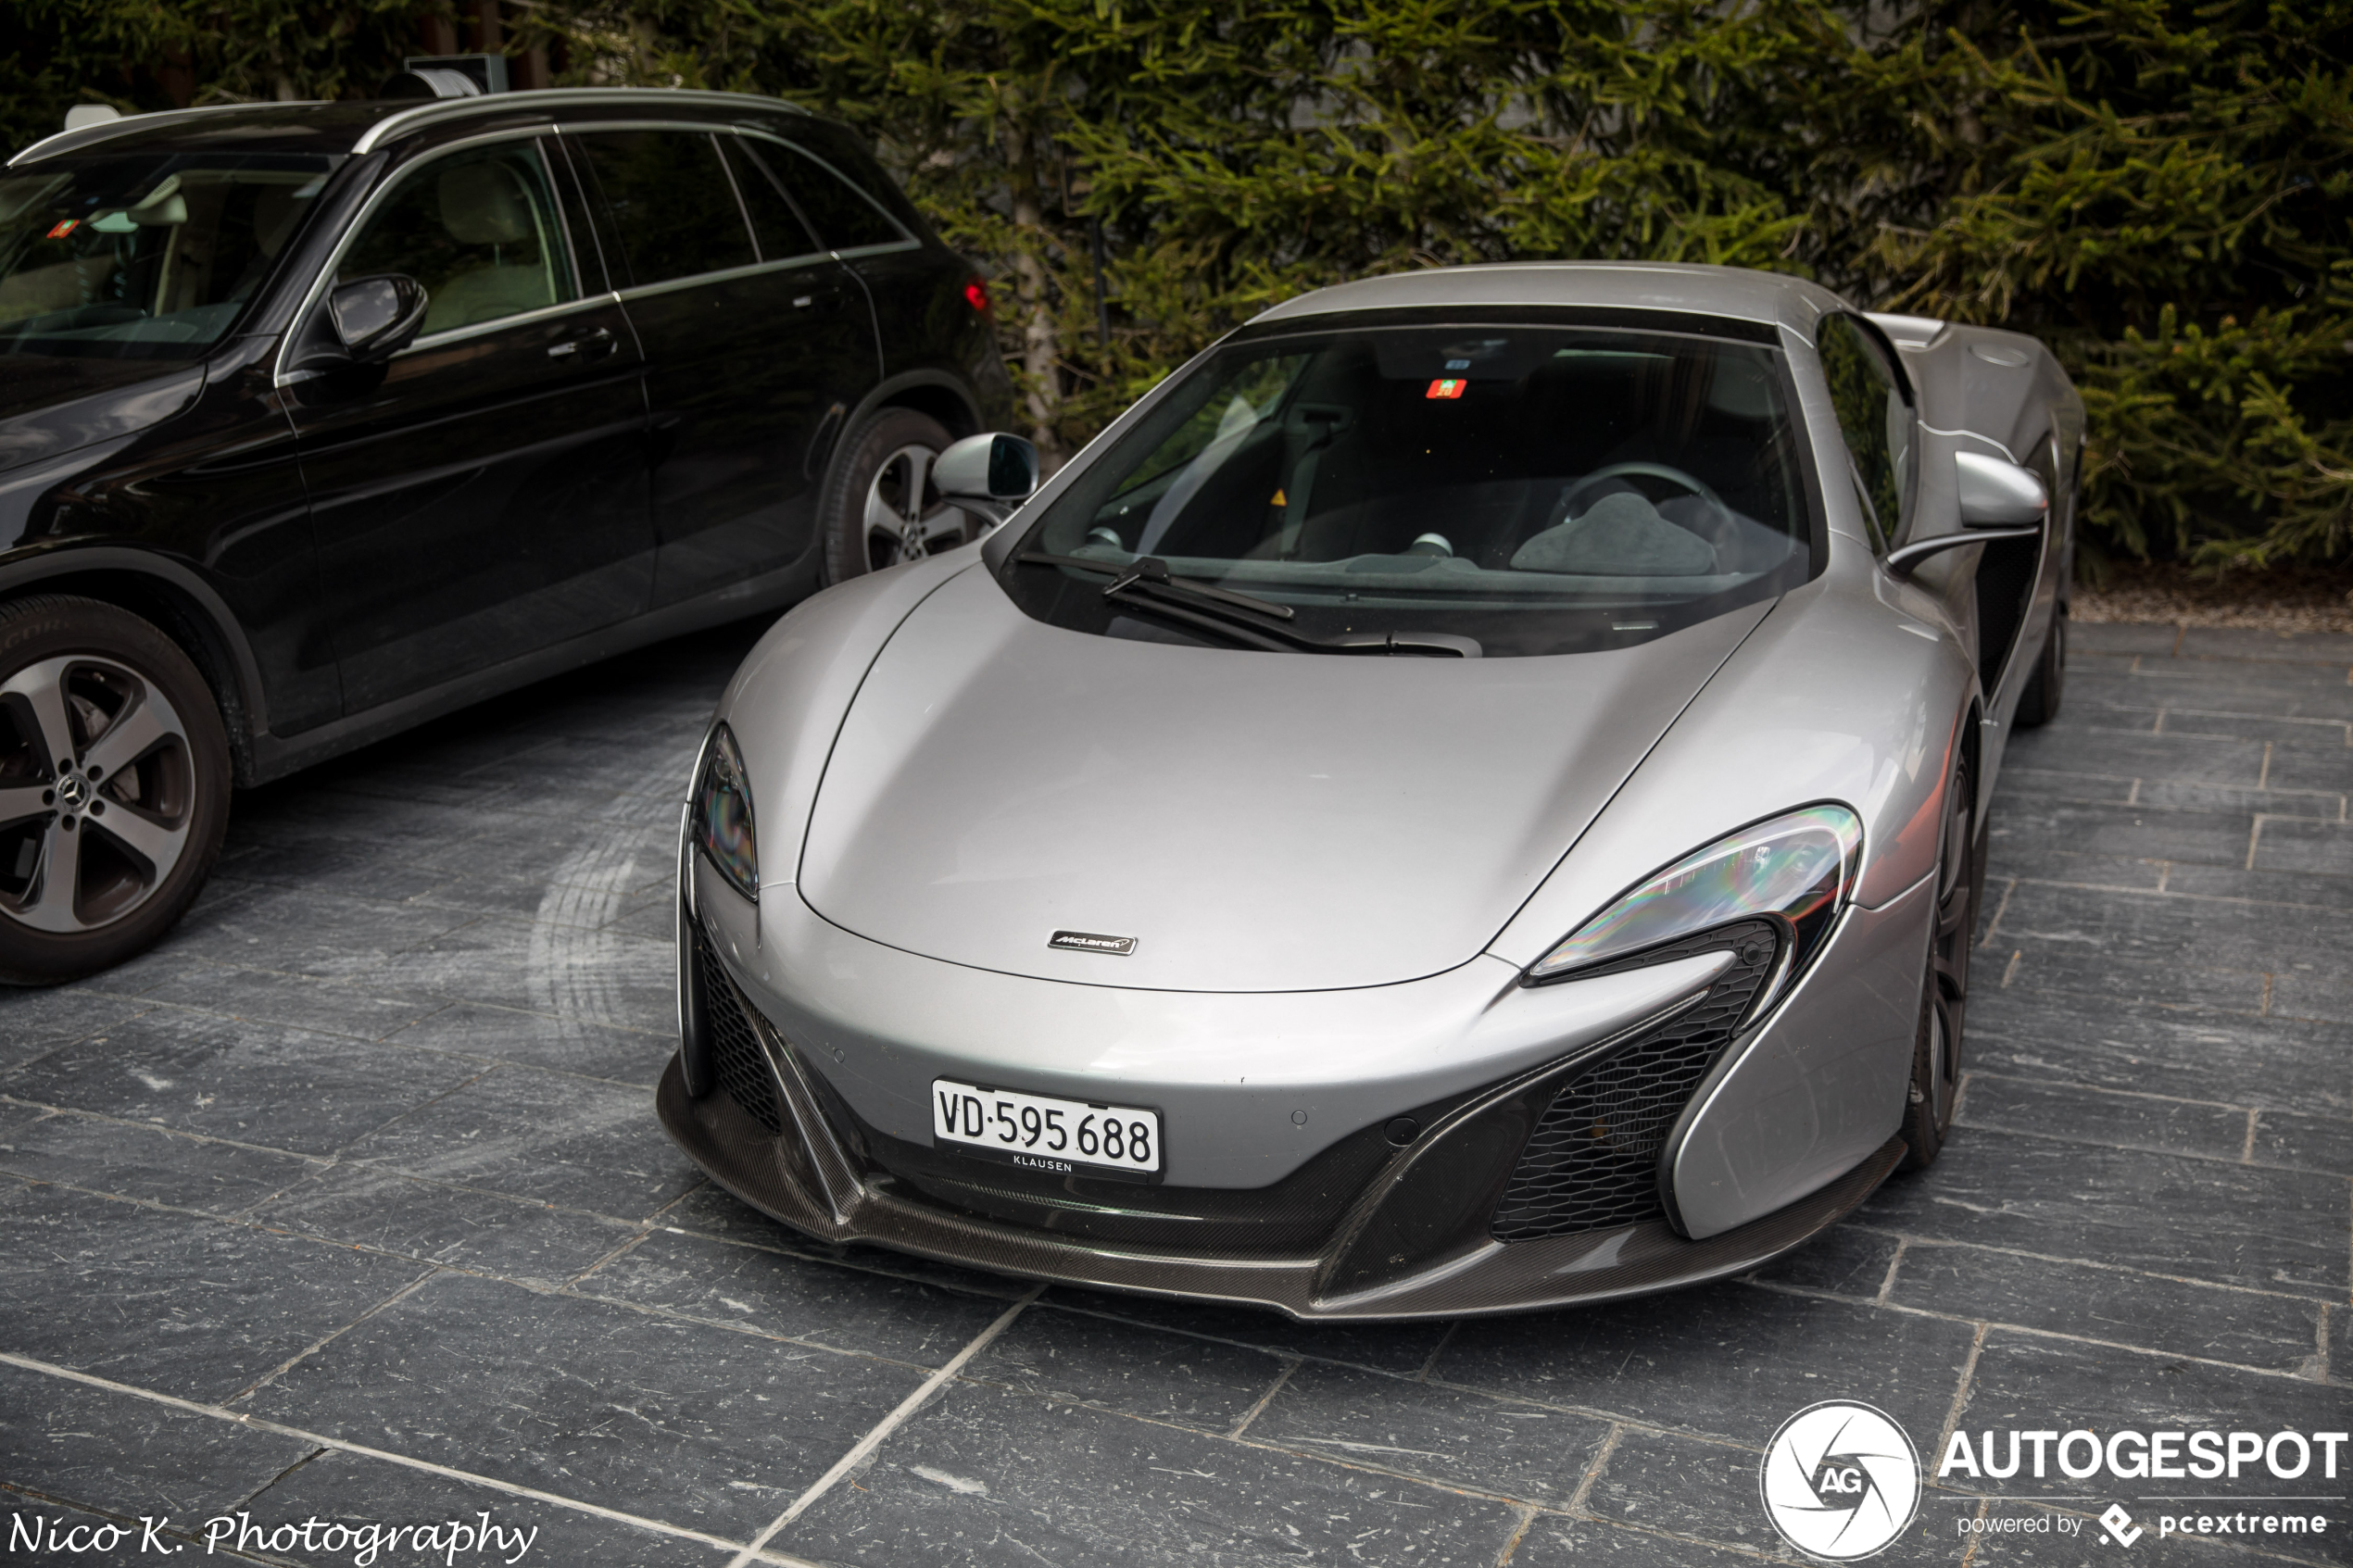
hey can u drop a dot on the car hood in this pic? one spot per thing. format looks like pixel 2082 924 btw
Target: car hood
pixel 1255 821
pixel 51 405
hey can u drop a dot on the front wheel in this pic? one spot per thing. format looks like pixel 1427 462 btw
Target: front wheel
pixel 1936 1046
pixel 114 786
pixel 880 507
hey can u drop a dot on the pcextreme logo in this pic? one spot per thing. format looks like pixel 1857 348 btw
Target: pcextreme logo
pixel 2119 1526
pixel 1840 1480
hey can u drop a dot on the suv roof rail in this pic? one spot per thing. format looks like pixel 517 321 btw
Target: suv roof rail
pixel 426 112
pixel 436 109
pixel 89 135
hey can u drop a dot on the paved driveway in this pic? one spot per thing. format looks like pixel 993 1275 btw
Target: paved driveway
pixel 347 1206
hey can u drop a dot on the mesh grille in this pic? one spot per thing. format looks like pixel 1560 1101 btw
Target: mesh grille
pixel 737 1059
pixel 1593 1162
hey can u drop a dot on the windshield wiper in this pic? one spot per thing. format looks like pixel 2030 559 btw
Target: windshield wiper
pixel 1152 572
pixel 1144 583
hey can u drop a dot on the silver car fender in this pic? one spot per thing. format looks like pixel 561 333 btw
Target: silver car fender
pixel 797 683
pixel 1840 694
pixel 1853 690
pixel 1816 1090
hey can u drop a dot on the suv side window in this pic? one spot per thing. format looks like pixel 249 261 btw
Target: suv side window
pixel 774 224
pixel 671 203
pixel 478 229
pixel 1875 415
pixel 845 216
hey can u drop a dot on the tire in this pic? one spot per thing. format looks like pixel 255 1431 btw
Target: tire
pixel 879 506
pixel 2039 704
pixel 114 786
pixel 1936 1045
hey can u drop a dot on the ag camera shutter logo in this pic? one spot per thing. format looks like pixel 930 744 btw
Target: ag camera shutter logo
pixel 1840 1480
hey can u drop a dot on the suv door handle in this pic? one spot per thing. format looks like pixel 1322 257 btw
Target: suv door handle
pixel 599 343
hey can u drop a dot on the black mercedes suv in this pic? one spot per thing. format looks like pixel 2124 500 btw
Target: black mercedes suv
pixel 320 420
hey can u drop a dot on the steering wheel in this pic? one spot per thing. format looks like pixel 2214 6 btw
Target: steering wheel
pixel 1648 470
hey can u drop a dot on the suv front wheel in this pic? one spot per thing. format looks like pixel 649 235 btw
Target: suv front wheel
pixel 880 507
pixel 114 786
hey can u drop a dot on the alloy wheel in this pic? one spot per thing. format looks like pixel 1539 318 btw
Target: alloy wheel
pixel 97 793
pixel 904 516
pixel 1949 956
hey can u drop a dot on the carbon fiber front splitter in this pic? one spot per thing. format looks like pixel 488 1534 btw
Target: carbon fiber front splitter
pixel 1378 1265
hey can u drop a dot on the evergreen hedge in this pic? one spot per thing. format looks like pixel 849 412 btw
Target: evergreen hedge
pixel 2159 188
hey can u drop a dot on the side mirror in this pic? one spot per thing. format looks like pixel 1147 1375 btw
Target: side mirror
pixel 1999 500
pixel 1996 494
pixel 364 322
pixel 992 473
pixel 376 317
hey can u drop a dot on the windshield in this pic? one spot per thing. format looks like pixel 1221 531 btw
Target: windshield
pixel 147 256
pixel 1533 489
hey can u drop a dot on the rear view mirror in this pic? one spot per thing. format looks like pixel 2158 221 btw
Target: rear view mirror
pixel 990 473
pixel 1996 494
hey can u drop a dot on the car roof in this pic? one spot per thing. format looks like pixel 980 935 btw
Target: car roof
pixel 1737 292
pixel 360 127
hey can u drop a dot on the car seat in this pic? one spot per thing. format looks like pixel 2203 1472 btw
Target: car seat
pixel 488 213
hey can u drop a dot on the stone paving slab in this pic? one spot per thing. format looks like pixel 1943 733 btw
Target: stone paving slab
pixel 348 1204
pixel 130 1457
pixel 2246 1329
pixel 989 1476
pixel 580 1142
pixel 2208 1220
pixel 2097 1042
pixel 266 1084
pixel 358 1491
pixel 1449 1436
pixel 1706 1361
pixel 173 1301
pixel 639 1412
pixel 38 1021
pixel 519 1238
pixel 500 1031
pixel 147 1163
pixel 1181 1381
pixel 793 1297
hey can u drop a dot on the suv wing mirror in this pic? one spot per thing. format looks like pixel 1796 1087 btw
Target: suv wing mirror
pixel 376 317
pixel 368 321
pixel 1999 500
pixel 992 473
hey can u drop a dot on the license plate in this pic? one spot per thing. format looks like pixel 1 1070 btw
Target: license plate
pixel 1035 1132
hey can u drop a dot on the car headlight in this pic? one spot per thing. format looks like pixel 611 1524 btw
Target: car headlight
pixel 1795 870
pixel 723 814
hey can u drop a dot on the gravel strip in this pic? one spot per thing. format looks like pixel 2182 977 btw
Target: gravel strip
pixel 2283 600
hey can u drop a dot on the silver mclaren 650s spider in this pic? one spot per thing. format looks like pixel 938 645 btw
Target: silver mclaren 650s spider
pixel 1469 797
